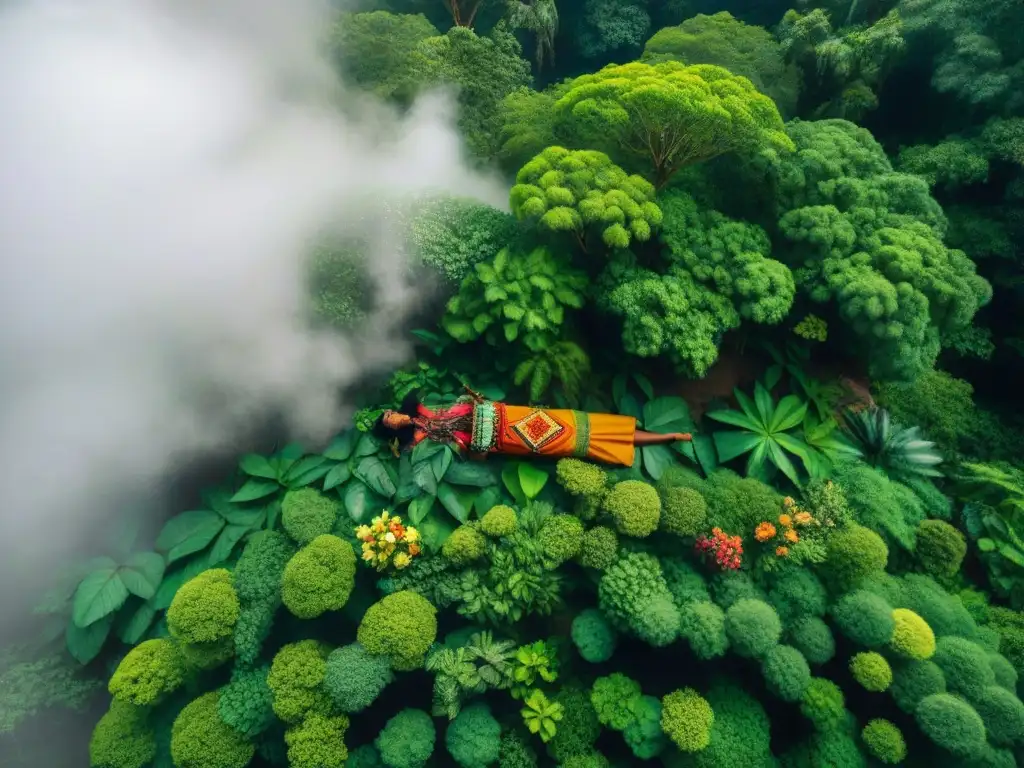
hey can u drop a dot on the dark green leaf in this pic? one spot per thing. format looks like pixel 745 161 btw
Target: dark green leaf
pixel 306 471
pixel 628 406
pixel 291 453
pixel 645 385
pixel 84 645
pixel 257 466
pixel 168 588
pixel 187 533
pixel 441 462
pixel 99 594
pixel 420 507
pixel 273 513
pixel 496 394
pixel 142 573
pixel 423 476
pixel 779 458
pixel 435 530
pixel 135 623
pixel 219 500
pixel 757 460
pixel 452 501
pixel 367 446
pixel 704 447
pixel 372 472
pixel 360 502
pixel 488 498
pixel 470 473
pixel 733 444
pixel 772 377
pixel 510 477
pixel 764 403
pixel 736 419
pixel 255 489
pixel 657 459
pixel 425 450
pixel 667 414
pixel 618 390
pixel 342 446
pixel 337 476
pixel 532 480
pixel 407 489
pixel 788 414
pixel 226 542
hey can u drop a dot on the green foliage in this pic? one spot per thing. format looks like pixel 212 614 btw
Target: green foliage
pixel 884 741
pixel 644 735
pixel 740 733
pixel 578 729
pixel 951 163
pixel 725 41
pixel 614 698
pixel 560 538
pixel 900 452
pixel 246 704
pixel 514 752
pixel 952 724
pixel 964 666
pixel 786 672
pixel 453 234
pixel 940 548
pixel 150 671
pixel 464 545
pixel 634 507
pixel 593 636
pixel 753 628
pixel 684 512
pixel 606 26
pixel 354 678
pixel 865 618
pixel 813 638
pixel 122 738
pixel 401 626
pixel 318 742
pixel 702 624
pixel 871 670
pixel 515 297
pixel 1003 714
pixel 202 616
pixel 941 405
pixel 854 553
pixel 319 578
pixel 31 683
pixel 687 719
pixel 571 191
pixel 407 740
pixel 888 508
pixel 306 513
pixel 200 739
pixel 499 521
pixel 913 681
pixel 823 704
pixel 339 284
pixel 474 737
pixel 481 664
pixel 600 548
pixel 912 637
pixel 296 680
pixel 667 115
pixel 533 661
pixel 633 595
pixel 540 715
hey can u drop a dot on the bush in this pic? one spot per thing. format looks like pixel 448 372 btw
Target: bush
pixel 854 553
pixel 786 672
pixel 686 718
pixel 199 739
pixel 579 727
pixel 354 678
pixel 122 738
pixel 614 698
pixel 514 752
pixel 560 538
pixel 884 741
pixel 407 740
pixel 753 628
pixel 318 742
pixel 499 521
pixel 306 513
pixel 149 672
pixel 319 578
pixel 474 737
pixel 823 704
pixel 740 734
pixel 593 636
pixel 296 678
pixel 703 626
pixel 872 671
pixel 202 616
pixel 940 548
pixel 913 681
pixel 684 512
pixel 633 595
pixel 912 637
pixel 581 478
pixel 952 724
pixel 812 637
pixel 600 548
pixel 247 703
pixel 964 665
pixel 401 626
pixel 1003 715
pixel 644 735
pixel 465 545
pixel 635 508
pixel 798 593
pixel 1002 671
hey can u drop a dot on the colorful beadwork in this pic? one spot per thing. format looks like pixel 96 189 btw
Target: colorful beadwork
pixel 485 427
pixel 537 429
pixel 582 434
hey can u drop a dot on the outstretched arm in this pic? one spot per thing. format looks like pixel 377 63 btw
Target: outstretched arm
pixel 641 438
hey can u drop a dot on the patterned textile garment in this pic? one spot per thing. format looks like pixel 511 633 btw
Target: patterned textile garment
pixel 484 426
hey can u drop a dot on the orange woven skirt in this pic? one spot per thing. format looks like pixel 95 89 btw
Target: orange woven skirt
pixel 558 433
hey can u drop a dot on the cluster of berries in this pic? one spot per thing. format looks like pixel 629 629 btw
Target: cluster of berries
pixel 725 549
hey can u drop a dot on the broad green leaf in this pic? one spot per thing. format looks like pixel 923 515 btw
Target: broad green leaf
pixel 1011 553
pixel 252 517
pixel 779 458
pixel 85 644
pixel 792 444
pixel 168 588
pixel 435 530
pixel 367 446
pixel 407 489
pixel 133 625
pixel 510 478
pixel 226 542
pixel 342 446
pixel 772 377
pixel 372 472
pixel 618 389
pixel 337 476
pixel 306 471
pixel 628 406
pixel 219 500
pixel 657 459
pixel 750 409
pixel 645 385
pixel 255 489
pixel 667 414
pixel 361 503
pixel 99 594
pixel 187 533
pixel 757 459
pixel 142 573
pixel 763 402
pixel 424 477
pixel 420 507
pixel 452 501
pixel 474 473
pixel 736 419
pixel 257 466
pixel 532 480
pixel 732 444
pixel 496 394
pixel 425 450
pixel 292 452
pixel 441 462
pixel 788 414
pixel 273 513
pixel 486 500
pixel 704 448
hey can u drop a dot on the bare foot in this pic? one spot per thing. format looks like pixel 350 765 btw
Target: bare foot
pixel 685 437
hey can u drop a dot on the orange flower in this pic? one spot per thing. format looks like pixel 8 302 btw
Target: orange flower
pixel 803 518
pixel 764 531
pixel 792 536
pixel 786 520
pixel 414 549
pixel 788 501
pixel 782 551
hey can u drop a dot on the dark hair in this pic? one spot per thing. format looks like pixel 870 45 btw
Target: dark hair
pixel 405 435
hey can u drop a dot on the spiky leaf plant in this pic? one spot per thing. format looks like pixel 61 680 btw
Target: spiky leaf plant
pixel 898 451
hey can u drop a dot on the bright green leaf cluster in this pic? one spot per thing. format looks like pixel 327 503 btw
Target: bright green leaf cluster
pixel 686 718
pixel 306 513
pixel 200 739
pixel 202 616
pixel 319 578
pixel 633 595
pixel 354 678
pixel 401 626
pixel 149 672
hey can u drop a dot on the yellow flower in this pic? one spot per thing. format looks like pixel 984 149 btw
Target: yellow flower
pixel 792 536
pixel 786 520
pixel 788 501
pixel 396 520
pixel 764 531
pixel 384 516
pixel 402 560
pixel 803 518
pixel 782 551
pixel 389 537
pixel 362 531
pixel 412 535
pixel 368 555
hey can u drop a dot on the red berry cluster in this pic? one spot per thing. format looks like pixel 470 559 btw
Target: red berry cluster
pixel 725 548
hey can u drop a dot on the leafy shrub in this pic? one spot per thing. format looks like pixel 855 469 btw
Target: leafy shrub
pixel 499 521
pixel 964 665
pixel 561 538
pixel 407 740
pixel 318 742
pixel 633 595
pixel 753 628
pixel 579 727
pixel 634 507
pixel 871 670
pixel 684 512
pixel 122 738
pixel 600 548
pixel 798 593
pixel 854 553
pixel 884 741
pixel 703 626
pixel 594 637
pixel 354 678
pixel 786 672
pixel 644 735
pixel 296 680
pixel 464 545
pixel 246 703
pixel 306 513
pixel 319 578
pixel 823 703
pixel 912 637
pixel 199 739
pixel 202 616
pixel 474 737
pixel 614 698
pixel 914 681
pixel 401 626
pixel 151 670
pixel 940 548
pixel 687 718
pixel 812 637
pixel 952 724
